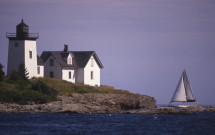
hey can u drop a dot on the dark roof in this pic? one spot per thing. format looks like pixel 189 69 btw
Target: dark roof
pixel 22 24
pixel 81 58
pixel 39 61
pixel 59 56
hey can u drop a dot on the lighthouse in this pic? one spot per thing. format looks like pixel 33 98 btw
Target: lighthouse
pixel 22 49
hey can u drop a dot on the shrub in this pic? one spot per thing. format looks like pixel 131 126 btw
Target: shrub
pixel 14 76
pixel 20 92
pixel 34 96
pixel 43 88
pixel 1 73
pixel 24 97
pixel 22 71
pixel 22 74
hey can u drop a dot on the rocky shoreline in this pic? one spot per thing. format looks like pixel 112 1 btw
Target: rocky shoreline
pixel 102 103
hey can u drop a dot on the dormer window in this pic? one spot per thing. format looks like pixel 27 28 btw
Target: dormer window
pixel 70 61
pixel 92 62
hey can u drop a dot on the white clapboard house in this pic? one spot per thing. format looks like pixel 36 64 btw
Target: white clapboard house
pixel 73 66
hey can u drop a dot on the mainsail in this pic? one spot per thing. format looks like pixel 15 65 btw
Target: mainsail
pixel 183 92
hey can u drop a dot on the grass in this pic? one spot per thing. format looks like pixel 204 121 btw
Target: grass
pixel 42 90
pixel 21 92
pixel 67 88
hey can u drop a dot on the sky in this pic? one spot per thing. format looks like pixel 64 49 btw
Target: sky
pixel 144 45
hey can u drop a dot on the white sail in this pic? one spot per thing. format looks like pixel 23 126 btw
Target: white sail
pixel 183 92
pixel 189 93
pixel 179 95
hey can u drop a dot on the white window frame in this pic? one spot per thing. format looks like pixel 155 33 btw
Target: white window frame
pixel 91 75
pixel 70 74
pixel 30 54
pixel 38 70
pixel 92 62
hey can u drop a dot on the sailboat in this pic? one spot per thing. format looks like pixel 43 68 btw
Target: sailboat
pixel 183 92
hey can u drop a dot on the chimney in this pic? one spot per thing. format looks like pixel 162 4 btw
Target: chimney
pixel 66 48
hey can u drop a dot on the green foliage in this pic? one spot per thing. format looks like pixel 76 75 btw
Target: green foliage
pixel 22 97
pixel 15 76
pixel 1 73
pixel 22 73
pixel 21 92
pixel 67 88
pixel 43 88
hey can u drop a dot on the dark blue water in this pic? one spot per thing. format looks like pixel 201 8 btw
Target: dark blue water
pixel 146 124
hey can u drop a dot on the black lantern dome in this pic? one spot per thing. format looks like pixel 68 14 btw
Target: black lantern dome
pixel 22 33
pixel 22 30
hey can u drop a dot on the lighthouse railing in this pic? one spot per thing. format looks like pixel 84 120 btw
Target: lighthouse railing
pixel 30 35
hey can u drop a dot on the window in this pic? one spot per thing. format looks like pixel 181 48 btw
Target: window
pixel 30 54
pixel 51 74
pixel 25 29
pixel 70 75
pixel 91 75
pixel 70 61
pixel 16 44
pixel 38 70
pixel 51 62
pixel 92 62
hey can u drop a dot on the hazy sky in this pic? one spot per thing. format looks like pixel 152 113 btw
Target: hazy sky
pixel 144 45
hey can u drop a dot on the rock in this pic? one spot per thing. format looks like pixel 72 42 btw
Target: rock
pixel 196 108
pixel 106 103
pixel 117 101
pixel 103 103
pixel 192 109
pixel 87 103
pixel 210 109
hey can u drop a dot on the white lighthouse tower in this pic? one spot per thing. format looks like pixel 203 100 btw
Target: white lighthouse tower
pixel 22 50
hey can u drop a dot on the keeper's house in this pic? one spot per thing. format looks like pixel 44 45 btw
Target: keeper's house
pixel 73 66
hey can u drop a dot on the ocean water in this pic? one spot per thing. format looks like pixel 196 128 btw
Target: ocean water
pixel 119 124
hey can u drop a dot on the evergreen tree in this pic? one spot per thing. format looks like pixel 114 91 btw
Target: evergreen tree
pixel 1 73
pixel 22 72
